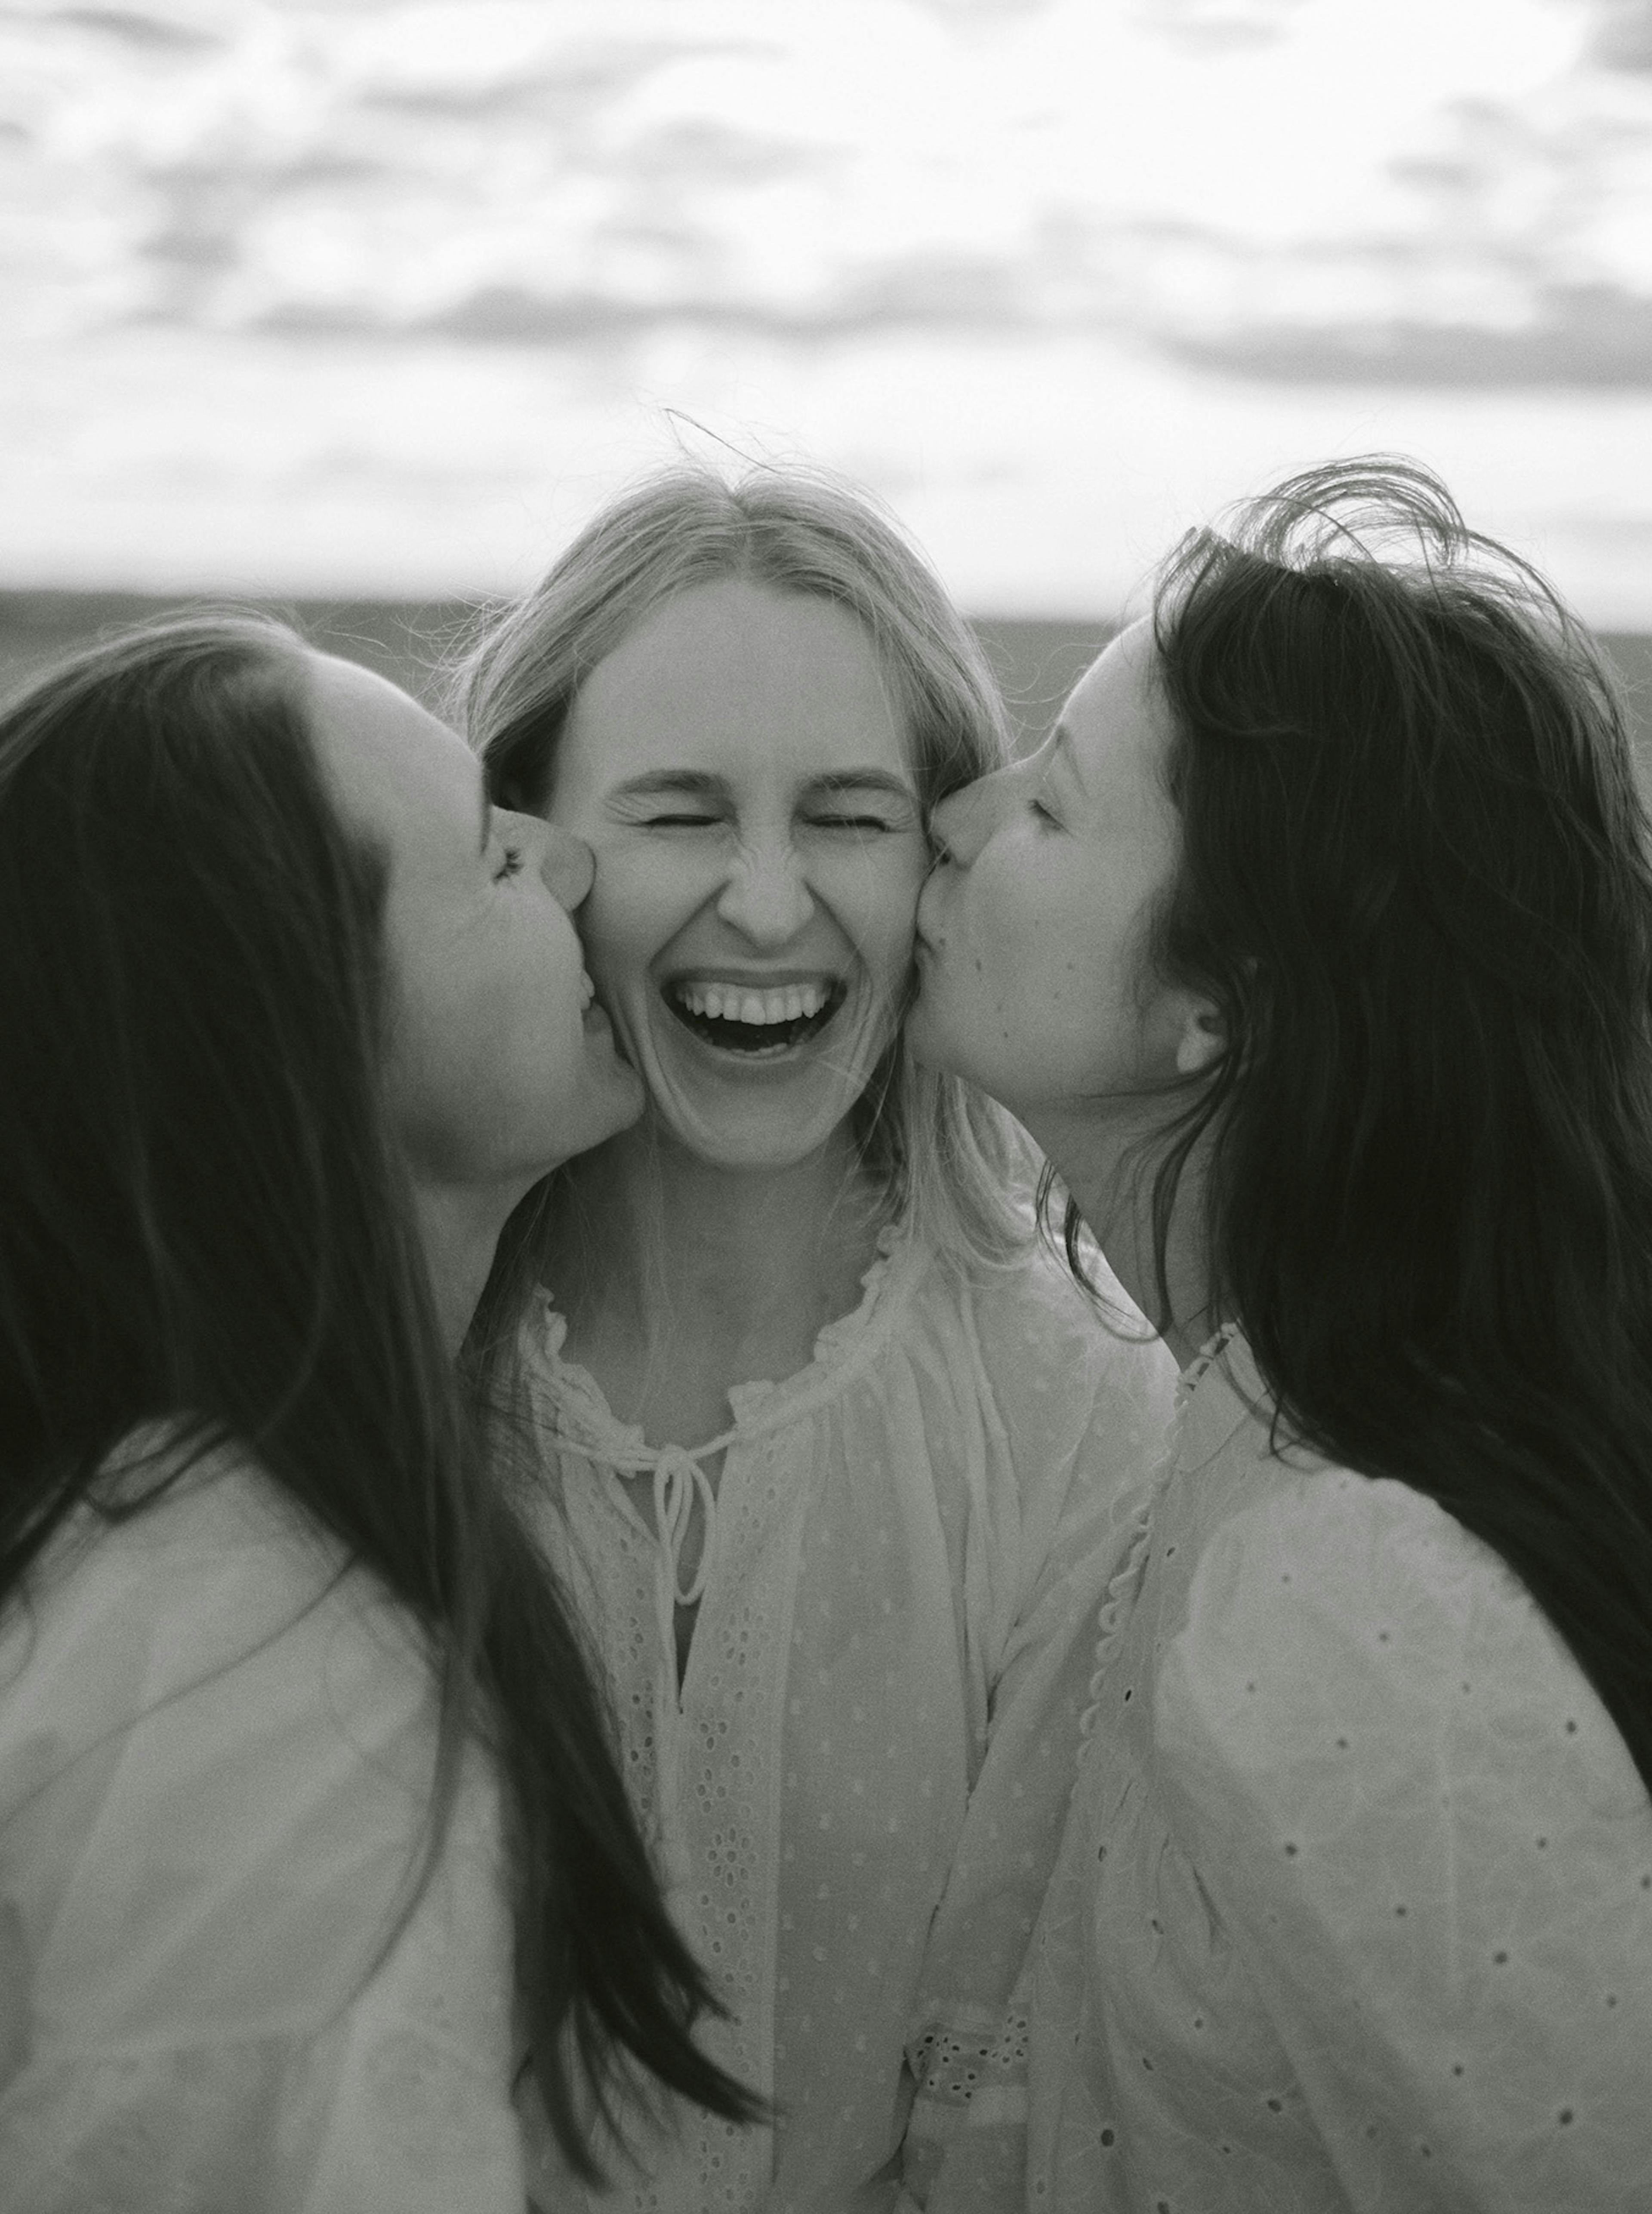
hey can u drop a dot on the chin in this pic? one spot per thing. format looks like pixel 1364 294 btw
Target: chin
pixel 756 1143
pixel 623 1107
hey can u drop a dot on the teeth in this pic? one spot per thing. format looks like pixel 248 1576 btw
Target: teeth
pixel 729 1003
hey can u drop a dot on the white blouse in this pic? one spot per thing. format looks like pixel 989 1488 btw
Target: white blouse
pixel 855 1795
pixel 1353 1909
pixel 216 1750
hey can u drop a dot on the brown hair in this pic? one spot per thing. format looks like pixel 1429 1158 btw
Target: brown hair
pixel 204 1222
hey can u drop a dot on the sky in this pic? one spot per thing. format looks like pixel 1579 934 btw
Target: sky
pixel 386 296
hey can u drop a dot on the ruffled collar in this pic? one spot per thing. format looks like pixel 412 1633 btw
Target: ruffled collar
pixel 1221 1388
pixel 1204 1360
pixel 1218 1391
pixel 841 1348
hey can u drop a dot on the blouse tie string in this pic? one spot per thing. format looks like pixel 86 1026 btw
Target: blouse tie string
pixel 678 1480
pixel 678 1477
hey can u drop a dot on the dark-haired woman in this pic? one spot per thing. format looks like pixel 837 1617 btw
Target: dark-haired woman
pixel 292 1725
pixel 1316 949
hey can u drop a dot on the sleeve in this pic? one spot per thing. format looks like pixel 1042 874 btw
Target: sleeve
pixel 216 1992
pixel 1429 1845
pixel 1086 1419
pixel 371 2116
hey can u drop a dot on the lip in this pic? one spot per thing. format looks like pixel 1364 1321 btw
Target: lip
pixel 771 1064
pixel 751 980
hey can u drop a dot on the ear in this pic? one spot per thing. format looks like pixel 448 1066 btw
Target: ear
pixel 1202 1039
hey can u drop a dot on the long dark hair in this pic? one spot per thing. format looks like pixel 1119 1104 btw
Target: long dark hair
pixel 205 1223
pixel 1414 878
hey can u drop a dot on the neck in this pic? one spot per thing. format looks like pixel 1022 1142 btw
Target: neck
pixel 1106 1153
pixel 459 1225
pixel 655 1232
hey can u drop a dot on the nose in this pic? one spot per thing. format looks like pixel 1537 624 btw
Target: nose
pixel 767 898
pixel 962 821
pixel 567 865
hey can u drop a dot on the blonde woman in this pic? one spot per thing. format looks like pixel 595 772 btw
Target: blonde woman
pixel 837 1461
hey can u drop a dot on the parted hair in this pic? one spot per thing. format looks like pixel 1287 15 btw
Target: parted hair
pixel 936 1147
pixel 205 1224
pixel 1414 877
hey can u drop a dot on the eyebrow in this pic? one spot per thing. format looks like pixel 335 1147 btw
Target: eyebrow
pixel 670 780
pixel 698 782
pixel 864 780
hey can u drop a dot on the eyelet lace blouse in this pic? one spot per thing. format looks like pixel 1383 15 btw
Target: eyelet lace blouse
pixel 855 1793
pixel 1353 1913
pixel 216 1753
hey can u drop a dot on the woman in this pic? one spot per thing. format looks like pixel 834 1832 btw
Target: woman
pixel 1316 950
pixel 290 1718
pixel 837 1463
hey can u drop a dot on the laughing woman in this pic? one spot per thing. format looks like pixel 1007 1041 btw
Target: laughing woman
pixel 1317 949
pixel 839 1463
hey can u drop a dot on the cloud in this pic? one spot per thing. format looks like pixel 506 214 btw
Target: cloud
pixel 500 172
pixel 1622 35
pixel 1594 336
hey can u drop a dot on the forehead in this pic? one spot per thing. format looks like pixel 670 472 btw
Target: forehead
pixel 731 678
pixel 1117 723
pixel 400 776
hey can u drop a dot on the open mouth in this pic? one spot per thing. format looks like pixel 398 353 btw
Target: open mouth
pixel 760 1024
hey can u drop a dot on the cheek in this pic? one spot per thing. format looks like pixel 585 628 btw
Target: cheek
pixel 998 929
pixel 440 987
pixel 633 910
pixel 514 1019
pixel 558 958
pixel 877 904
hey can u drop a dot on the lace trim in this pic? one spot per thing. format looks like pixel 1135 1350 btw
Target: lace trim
pixel 965 2067
pixel 836 1340
pixel 1121 1587
pixel 1202 1361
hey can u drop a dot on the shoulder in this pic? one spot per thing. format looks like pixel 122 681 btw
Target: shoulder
pixel 1043 1340
pixel 1334 1617
pixel 217 1739
pixel 133 1604
pixel 1063 1413
pixel 1327 1557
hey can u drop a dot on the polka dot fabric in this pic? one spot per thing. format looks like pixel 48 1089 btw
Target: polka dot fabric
pixel 1353 1909
pixel 857 1790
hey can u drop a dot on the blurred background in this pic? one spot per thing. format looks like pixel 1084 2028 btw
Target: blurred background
pixel 362 307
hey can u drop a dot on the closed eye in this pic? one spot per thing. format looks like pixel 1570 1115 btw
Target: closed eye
pixel 679 822
pixel 850 822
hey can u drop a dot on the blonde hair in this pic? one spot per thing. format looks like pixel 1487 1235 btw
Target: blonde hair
pixel 940 1151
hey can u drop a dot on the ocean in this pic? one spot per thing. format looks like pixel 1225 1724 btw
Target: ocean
pixel 1037 661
